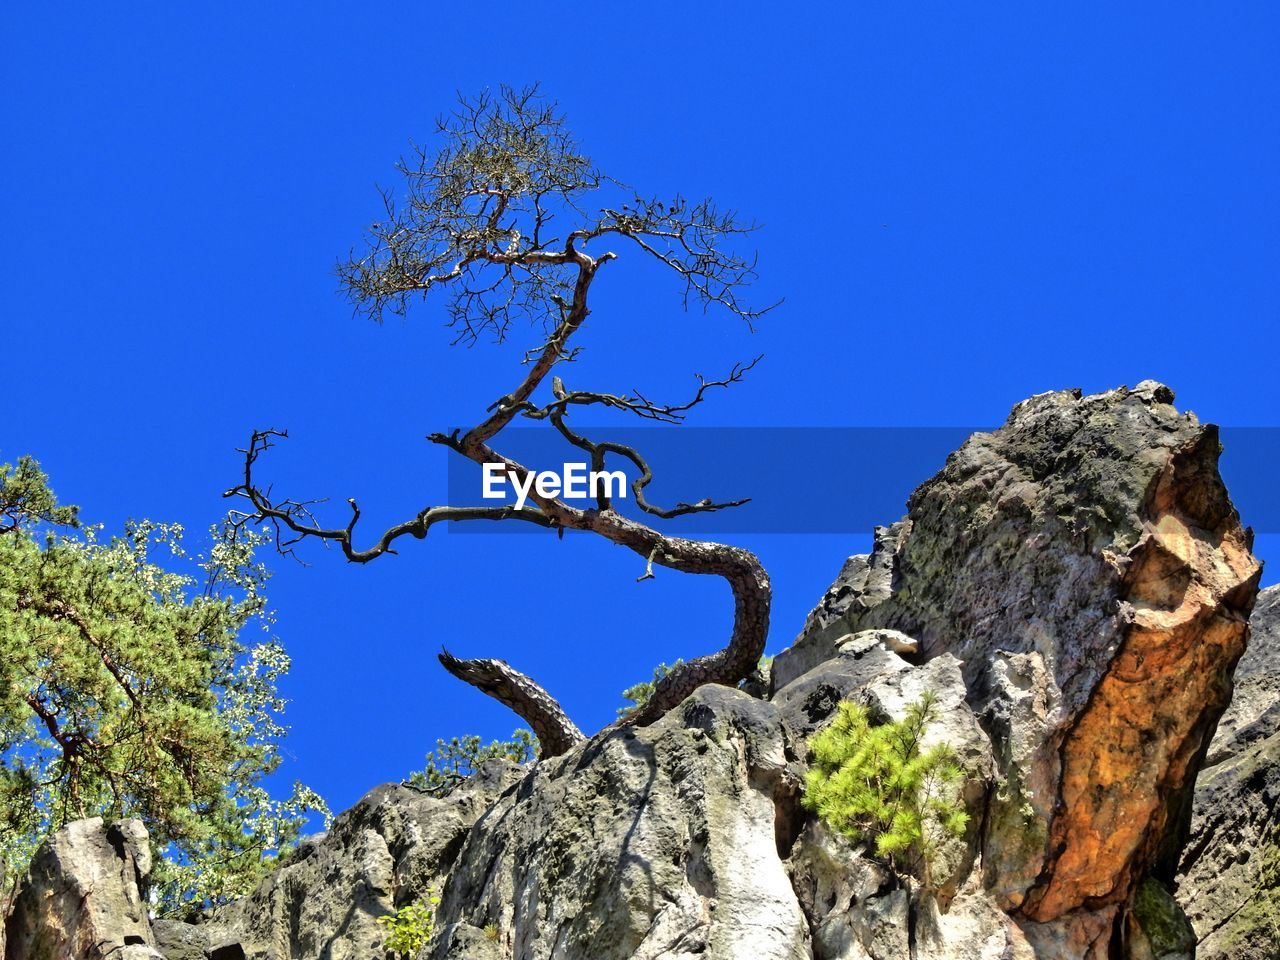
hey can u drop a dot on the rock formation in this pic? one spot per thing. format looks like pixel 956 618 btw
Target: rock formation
pixel 1086 566
pixel 84 896
pixel 1074 588
pixel 1229 877
pixel 391 848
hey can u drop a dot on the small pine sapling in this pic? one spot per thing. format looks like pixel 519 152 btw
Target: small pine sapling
pixel 640 693
pixel 879 785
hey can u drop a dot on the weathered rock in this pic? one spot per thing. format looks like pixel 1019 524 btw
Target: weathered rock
pixel 388 850
pixel 1086 566
pixel 679 840
pixel 855 908
pixel 1074 590
pixel 863 582
pixel 177 940
pixel 1158 927
pixel 971 927
pixel 1254 714
pixel 1229 876
pixel 138 951
pixel 1079 935
pixel 83 896
pixel 867 672
pixel 647 843
pixel 966 926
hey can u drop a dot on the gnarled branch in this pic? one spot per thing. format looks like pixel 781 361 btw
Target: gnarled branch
pixel 638 404
pixel 293 520
pixel 480 222
pixel 555 731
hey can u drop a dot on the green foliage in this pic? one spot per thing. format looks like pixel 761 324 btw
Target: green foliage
pixel 875 784
pixel 454 760
pixel 640 693
pixel 410 928
pixel 1256 925
pixel 491 932
pixel 25 498
pixel 512 149
pixel 126 690
pixel 1162 921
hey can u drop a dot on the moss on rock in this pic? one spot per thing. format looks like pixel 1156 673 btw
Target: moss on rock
pixel 1162 922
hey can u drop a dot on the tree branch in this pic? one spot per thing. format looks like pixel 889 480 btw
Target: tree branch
pixel 555 731
pixel 598 449
pixel 747 579
pixel 58 610
pixel 295 516
pixel 640 405
pixel 478 222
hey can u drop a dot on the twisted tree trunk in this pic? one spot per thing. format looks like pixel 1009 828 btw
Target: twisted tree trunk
pixel 423 249
pixel 752 596
pixel 556 733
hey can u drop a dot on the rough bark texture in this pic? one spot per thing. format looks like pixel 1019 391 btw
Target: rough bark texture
pixel 1074 588
pixel 1229 876
pixel 556 733
pixel 741 569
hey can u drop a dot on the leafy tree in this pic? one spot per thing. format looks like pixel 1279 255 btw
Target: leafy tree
pixel 510 223
pixel 453 761
pixel 126 689
pixel 877 785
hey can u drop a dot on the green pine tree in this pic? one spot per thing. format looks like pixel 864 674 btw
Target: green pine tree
pixel 128 689
pixel 640 693
pixel 877 785
pixel 454 760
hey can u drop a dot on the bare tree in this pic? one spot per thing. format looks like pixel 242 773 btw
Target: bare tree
pixel 500 220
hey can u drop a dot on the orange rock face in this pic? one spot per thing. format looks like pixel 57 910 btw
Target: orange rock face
pixel 1190 585
pixel 1085 565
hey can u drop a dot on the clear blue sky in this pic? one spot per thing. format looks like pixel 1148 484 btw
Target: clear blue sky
pixel 963 206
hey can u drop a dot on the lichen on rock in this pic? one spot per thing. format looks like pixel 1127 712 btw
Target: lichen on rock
pixel 1229 873
pixel 1074 588
pixel 1086 566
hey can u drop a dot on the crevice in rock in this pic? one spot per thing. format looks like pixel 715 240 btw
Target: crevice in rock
pixel 913 918
pixel 789 820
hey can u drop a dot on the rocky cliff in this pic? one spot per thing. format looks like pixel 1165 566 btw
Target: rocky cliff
pixel 1075 588
pixel 84 896
pixel 1229 874
pixel 1086 566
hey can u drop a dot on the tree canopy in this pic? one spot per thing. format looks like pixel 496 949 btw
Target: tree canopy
pixel 137 680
